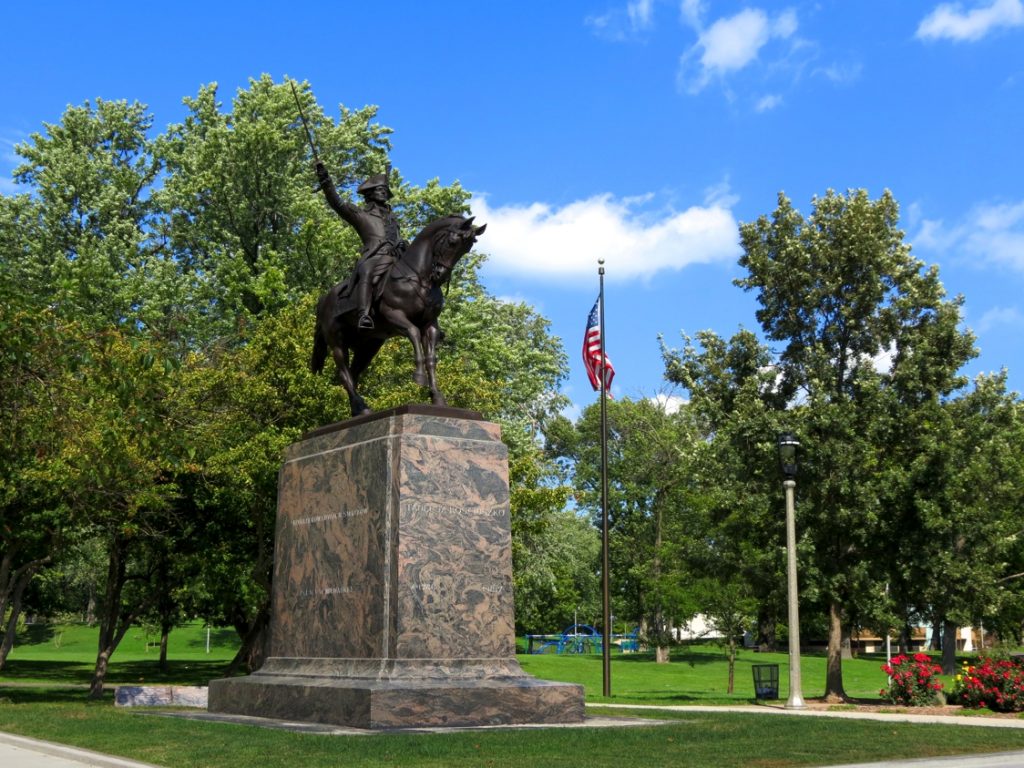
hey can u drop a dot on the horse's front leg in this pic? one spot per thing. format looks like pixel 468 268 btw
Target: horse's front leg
pixel 431 336
pixel 407 328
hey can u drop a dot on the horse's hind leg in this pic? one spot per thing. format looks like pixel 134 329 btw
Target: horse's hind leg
pixel 345 379
pixel 361 357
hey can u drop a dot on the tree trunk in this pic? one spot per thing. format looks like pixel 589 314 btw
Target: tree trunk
pixel 847 645
pixel 661 654
pixel 904 642
pixel 936 640
pixel 165 631
pixel 6 580
pixel 254 643
pixel 949 631
pixel 731 654
pixel 834 665
pixel 90 607
pixel 113 622
pixel 766 638
pixel 12 622
pixel 99 674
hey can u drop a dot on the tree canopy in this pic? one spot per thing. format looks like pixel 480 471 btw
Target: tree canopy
pixel 156 352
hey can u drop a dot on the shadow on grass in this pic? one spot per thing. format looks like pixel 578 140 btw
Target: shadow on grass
pixel 55 671
pixel 51 695
pixel 125 673
pixel 35 634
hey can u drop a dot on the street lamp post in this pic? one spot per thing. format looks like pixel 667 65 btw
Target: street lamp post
pixel 788 445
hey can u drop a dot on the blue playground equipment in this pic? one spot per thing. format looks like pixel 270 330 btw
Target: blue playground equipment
pixel 581 638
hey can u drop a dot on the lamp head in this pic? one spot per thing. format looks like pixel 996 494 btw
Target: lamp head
pixel 788 455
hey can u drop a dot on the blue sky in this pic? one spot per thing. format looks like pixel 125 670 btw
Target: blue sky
pixel 641 132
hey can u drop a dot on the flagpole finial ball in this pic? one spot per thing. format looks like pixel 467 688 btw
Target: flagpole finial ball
pixel 600 261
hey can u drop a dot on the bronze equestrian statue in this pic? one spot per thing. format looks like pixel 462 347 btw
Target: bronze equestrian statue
pixel 395 289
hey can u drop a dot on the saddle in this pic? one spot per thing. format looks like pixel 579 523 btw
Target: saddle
pixel 346 289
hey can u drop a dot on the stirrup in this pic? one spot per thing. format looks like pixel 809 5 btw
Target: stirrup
pixel 365 322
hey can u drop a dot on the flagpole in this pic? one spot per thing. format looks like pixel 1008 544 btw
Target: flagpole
pixel 606 650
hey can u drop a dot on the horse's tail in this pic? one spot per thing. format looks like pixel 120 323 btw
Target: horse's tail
pixel 316 362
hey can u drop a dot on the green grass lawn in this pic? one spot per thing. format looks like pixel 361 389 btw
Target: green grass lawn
pixel 695 739
pixel 699 675
pixel 47 662
pixel 67 655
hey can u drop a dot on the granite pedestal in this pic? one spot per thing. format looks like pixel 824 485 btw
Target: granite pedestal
pixel 392 603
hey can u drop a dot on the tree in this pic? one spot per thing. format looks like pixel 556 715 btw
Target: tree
pixel 556 571
pixel 841 291
pixel 86 241
pixel 738 403
pixel 33 422
pixel 959 528
pixel 238 206
pixel 648 449
pixel 184 269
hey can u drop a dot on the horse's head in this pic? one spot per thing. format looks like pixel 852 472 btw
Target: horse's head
pixel 451 243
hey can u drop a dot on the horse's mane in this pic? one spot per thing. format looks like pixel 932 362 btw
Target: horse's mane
pixel 438 225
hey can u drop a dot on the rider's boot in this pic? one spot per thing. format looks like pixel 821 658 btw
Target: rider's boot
pixel 363 300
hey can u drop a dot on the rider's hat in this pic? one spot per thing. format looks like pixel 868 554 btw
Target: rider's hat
pixel 380 180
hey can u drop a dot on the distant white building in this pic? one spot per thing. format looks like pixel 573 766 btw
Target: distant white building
pixel 698 628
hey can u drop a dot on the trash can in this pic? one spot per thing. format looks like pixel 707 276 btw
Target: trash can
pixel 766 681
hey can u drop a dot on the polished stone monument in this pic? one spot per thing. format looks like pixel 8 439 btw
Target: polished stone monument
pixel 392 603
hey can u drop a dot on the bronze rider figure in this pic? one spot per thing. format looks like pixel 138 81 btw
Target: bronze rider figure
pixel 377 227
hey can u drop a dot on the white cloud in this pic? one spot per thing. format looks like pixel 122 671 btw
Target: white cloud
pixel 692 11
pixel 568 241
pixel 623 23
pixel 769 102
pixel 950 21
pixel 729 44
pixel 670 403
pixel 883 360
pixel 1000 316
pixel 641 14
pixel 841 74
pixel 992 233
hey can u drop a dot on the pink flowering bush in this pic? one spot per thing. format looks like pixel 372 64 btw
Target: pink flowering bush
pixel 998 685
pixel 912 680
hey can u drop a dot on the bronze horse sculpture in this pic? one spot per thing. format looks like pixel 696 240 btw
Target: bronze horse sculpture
pixel 406 303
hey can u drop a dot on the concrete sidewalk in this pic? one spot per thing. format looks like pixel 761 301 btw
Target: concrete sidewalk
pixel 780 710
pixel 22 752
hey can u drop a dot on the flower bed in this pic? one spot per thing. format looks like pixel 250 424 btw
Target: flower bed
pixel 912 681
pixel 996 684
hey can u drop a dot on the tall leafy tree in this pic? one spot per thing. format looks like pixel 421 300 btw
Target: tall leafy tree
pixel 738 402
pixel 841 291
pixel 648 450
pixel 86 241
pixel 955 541
pixel 34 391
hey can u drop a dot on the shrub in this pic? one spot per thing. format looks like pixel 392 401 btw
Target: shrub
pixel 912 681
pixel 996 684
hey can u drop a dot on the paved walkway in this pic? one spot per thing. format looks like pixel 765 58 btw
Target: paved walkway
pixel 22 752
pixel 888 717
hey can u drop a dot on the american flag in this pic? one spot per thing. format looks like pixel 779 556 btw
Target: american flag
pixel 592 352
